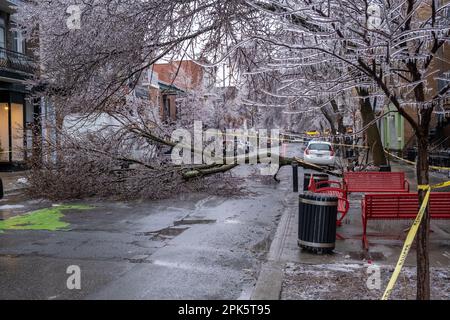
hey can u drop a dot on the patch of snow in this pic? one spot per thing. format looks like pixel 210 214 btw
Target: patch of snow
pixel 339 267
pixel 11 206
pixel 232 221
pixel 348 281
pixel 22 181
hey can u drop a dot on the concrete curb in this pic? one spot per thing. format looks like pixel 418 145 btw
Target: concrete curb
pixel 268 285
pixel 12 191
pixel 270 279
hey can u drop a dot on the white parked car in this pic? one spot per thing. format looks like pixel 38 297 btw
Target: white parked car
pixel 320 152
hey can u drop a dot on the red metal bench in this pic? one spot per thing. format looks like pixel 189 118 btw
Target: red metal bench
pixel 401 206
pixel 367 181
pixel 343 204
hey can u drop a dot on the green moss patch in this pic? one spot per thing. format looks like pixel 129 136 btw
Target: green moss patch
pixel 43 219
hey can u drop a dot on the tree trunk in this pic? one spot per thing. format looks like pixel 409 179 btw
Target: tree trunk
pixel 339 117
pixel 423 263
pixel 331 118
pixel 206 170
pixel 36 129
pixel 373 134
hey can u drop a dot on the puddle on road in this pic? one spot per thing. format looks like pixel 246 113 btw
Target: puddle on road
pixel 175 230
pixel 138 259
pixel 163 234
pixel 171 231
pixel 193 221
pixel 263 245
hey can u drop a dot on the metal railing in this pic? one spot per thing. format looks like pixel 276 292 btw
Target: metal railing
pixel 16 61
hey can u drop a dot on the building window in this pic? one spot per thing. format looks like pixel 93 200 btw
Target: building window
pixel 18 43
pixel 442 83
pixel 2 33
pixel 166 107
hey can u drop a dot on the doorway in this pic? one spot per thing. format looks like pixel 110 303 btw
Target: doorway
pixel 12 120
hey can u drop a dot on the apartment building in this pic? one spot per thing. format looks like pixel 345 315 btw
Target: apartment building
pixel 16 112
pixel 397 134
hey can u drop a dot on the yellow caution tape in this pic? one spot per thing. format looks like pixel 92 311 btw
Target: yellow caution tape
pixel 413 163
pixel 434 186
pixel 411 235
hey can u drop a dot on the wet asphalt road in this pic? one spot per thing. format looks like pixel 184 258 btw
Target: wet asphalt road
pixel 194 246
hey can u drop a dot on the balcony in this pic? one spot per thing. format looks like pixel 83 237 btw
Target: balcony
pixel 16 62
pixel 8 5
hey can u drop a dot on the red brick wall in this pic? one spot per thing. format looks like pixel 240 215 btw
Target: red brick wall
pixel 186 75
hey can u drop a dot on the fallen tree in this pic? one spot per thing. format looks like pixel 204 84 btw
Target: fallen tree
pixel 127 157
pixel 284 161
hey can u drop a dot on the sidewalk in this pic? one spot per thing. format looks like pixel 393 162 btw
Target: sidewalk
pixel 15 201
pixel 12 181
pixel 291 273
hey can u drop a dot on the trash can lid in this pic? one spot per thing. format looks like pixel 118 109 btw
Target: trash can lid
pixel 318 197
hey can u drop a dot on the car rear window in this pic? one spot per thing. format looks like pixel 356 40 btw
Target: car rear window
pixel 319 146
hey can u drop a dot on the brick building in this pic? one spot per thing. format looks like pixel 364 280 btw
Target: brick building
pixel 168 80
pixel 397 134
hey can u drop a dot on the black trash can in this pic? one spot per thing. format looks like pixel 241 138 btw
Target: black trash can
pixel 317 214
pixel 317 177
pixel 1 189
pixel 385 168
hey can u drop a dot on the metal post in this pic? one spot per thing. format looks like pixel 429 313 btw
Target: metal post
pixel 1 190
pixel 295 176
